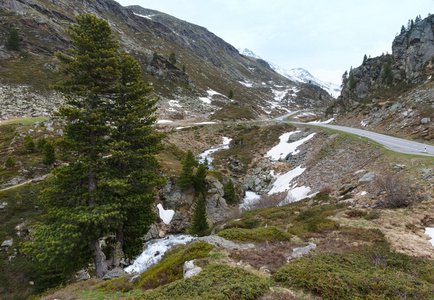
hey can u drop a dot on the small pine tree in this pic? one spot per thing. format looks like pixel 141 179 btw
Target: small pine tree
pixel 186 177
pixel 231 94
pixel 352 81
pixel 229 192
pixel 206 163
pixel 40 145
pixel 387 75
pixel 403 30
pixel 365 59
pixel 29 143
pixel 199 225
pixel 199 179
pixel 10 162
pixel 172 58
pixel 13 41
pixel 344 78
pixel 49 154
pixel 183 68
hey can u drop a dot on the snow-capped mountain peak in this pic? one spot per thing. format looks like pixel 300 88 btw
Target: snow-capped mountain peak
pixel 298 75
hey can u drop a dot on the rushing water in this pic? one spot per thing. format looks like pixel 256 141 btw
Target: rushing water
pixel 201 157
pixel 155 251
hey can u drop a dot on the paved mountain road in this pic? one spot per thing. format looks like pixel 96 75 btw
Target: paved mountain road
pixel 390 142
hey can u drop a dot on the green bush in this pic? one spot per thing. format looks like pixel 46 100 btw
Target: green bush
pixel 29 143
pixel 214 282
pixel 170 267
pixel 10 162
pixel 366 274
pixel 270 233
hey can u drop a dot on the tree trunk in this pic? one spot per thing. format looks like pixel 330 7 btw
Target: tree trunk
pixel 99 259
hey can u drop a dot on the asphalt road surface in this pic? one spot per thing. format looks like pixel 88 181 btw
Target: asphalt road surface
pixel 390 142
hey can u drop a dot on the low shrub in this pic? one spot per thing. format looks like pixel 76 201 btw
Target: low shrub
pixel 356 213
pixel 270 233
pixel 214 282
pixel 121 284
pixel 396 193
pixel 367 274
pixel 170 267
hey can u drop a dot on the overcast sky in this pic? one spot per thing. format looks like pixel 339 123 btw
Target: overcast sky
pixel 324 37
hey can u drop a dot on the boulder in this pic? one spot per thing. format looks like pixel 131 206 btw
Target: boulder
pixel 301 251
pixel 368 178
pixel 425 121
pixel 346 189
pixel 220 242
pixel 190 269
pixel 115 273
pixel 7 243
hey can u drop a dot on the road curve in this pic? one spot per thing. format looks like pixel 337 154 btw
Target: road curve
pixel 390 142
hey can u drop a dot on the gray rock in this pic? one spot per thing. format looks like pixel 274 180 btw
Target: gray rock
pixel 3 205
pixel 346 189
pixel 115 273
pixel 7 243
pixel 220 242
pixel 190 269
pixel 249 182
pixel 82 275
pixel 425 121
pixel 59 132
pixel 301 251
pixel 367 178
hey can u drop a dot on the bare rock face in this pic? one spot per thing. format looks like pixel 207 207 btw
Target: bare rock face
pixel 413 50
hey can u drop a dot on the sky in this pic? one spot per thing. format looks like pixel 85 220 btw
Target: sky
pixel 325 37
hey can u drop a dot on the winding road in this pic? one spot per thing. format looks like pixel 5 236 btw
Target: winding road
pixel 390 142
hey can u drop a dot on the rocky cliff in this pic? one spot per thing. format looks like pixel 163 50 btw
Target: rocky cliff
pixel 206 67
pixel 393 93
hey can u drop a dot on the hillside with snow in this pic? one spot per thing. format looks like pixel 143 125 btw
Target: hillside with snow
pixel 298 75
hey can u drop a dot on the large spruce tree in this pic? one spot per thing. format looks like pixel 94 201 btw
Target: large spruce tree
pixel 109 187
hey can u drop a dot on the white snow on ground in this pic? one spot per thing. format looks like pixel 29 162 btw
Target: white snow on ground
pixel 282 182
pixel 164 121
pixel 430 232
pixel 284 148
pixel 363 123
pixel 174 103
pixel 182 127
pixel 248 200
pixel 226 140
pixel 298 193
pixel 325 122
pixel 246 84
pixel 165 215
pixel 143 16
pixel 204 123
pixel 205 100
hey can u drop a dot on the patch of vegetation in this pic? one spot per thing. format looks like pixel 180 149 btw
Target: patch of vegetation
pixel 170 267
pixel 246 139
pixel 24 121
pixel 270 233
pixel 21 210
pixel 233 112
pixel 366 274
pixel 214 282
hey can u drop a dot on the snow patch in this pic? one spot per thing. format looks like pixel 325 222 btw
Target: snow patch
pixel 282 182
pixel 430 232
pixel 204 123
pixel 205 100
pixel 246 84
pixel 249 199
pixel 174 103
pixel 284 148
pixel 325 122
pixel 164 121
pixel 165 215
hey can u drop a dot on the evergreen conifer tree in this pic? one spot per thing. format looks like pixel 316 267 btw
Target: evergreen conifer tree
pixel 199 224
pixel 108 186
pixel 229 192
pixel 199 179
pixel 49 154
pixel 231 94
pixel 352 81
pixel 172 58
pixel 10 162
pixel 186 178
pixel 40 145
pixel 29 143
pixel 13 42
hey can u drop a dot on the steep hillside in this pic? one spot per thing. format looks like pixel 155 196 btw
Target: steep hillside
pixel 393 93
pixel 197 83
